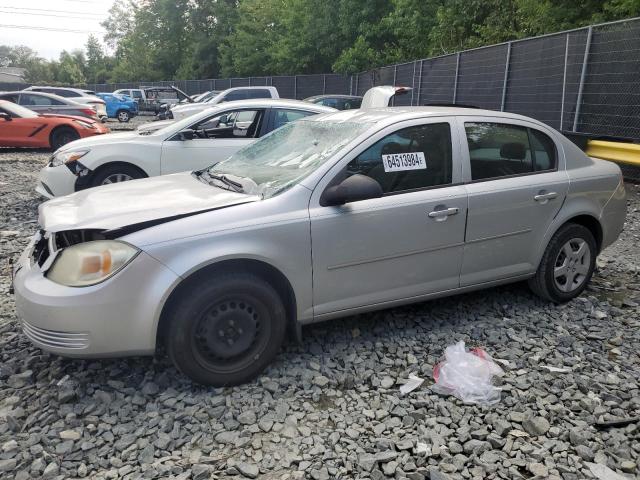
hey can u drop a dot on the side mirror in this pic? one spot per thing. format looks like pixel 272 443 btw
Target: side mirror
pixel 186 134
pixel 5 116
pixel 354 188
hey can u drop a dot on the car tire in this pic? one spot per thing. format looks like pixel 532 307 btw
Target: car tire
pixel 226 330
pixel 123 116
pixel 115 173
pixel 61 136
pixel 567 264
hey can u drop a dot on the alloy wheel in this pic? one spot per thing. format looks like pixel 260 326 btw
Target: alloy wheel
pixel 572 265
pixel 117 178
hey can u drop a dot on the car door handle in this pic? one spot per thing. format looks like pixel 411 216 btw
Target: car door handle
pixel 444 213
pixel 543 197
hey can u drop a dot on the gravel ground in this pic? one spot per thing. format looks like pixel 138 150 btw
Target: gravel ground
pixel 331 407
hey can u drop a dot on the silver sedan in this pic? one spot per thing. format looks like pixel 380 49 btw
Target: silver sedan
pixel 47 103
pixel 328 216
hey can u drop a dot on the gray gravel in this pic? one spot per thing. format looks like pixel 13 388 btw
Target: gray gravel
pixel 331 408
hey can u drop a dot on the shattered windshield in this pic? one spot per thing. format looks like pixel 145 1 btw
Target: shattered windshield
pixel 287 155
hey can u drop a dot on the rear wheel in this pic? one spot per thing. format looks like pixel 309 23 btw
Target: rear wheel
pixel 115 174
pixel 567 264
pixel 123 116
pixel 63 135
pixel 227 330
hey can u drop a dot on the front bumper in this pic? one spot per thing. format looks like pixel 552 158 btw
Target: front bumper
pixel 117 317
pixel 56 181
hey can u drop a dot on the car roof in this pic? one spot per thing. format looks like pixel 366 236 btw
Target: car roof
pixel 41 94
pixel 390 115
pixel 273 102
pixel 78 90
pixel 253 87
pixel 316 97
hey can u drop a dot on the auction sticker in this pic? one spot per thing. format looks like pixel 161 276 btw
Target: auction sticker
pixel 397 162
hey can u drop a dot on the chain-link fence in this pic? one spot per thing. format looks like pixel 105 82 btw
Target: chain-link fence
pixel 585 80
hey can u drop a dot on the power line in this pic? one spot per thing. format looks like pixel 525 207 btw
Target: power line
pixel 48 29
pixel 47 10
pixel 85 1
pixel 95 19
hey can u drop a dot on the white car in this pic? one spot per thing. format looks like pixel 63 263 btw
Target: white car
pixel 190 144
pixel 178 112
pixel 86 97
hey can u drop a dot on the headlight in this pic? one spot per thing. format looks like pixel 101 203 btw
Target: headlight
pixel 62 158
pixel 85 124
pixel 89 263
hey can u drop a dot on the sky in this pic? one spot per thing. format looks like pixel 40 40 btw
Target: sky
pixel 81 16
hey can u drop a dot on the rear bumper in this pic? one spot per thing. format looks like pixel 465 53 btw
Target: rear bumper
pixel 613 215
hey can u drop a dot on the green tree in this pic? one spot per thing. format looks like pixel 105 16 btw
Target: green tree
pixel 69 69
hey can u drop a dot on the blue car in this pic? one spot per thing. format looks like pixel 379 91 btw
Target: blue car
pixel 122 107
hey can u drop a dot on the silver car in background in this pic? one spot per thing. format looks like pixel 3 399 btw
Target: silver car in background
pixel 47 103
pixel 87 97
pixel 329 216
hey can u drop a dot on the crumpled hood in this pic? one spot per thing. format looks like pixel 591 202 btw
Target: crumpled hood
pixel 138 201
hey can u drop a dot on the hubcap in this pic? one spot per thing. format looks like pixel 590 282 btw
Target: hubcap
pixel 116 178
pixel 227 331
pixel 123 116
pixel 572 265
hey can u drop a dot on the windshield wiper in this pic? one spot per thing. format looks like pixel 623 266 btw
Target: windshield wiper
pixel 230 183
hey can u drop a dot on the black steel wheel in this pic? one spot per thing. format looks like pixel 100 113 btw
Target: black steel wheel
pixel 226 331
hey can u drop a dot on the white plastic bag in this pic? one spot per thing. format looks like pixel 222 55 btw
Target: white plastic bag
pixel 467 375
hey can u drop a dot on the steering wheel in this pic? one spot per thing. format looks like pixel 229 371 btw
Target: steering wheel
pixel 201 133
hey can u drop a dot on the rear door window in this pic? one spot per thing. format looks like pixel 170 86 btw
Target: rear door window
pixel 502 150
pixel 235 95
pixel 258 93
pixel 61 92
pixel 282 116
pixel 27 100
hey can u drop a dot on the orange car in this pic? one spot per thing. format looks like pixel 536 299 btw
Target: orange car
pixel 21 127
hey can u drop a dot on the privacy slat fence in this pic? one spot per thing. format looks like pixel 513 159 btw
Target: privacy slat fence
pixel 585 80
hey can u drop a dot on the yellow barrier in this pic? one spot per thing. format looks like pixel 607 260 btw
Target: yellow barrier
pixel 627 153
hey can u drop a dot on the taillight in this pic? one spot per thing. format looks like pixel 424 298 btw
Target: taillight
pixel 89 111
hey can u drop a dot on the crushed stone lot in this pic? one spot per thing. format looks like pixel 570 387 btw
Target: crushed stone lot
pixel 331 407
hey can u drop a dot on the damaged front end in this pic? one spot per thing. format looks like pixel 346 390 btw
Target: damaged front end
pixel 71 160
pixel 46 245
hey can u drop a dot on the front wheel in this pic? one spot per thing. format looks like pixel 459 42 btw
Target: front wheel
pixel 115 174
pixel 123 116
pixel 62 136
pixel 226 329
pixel 567 264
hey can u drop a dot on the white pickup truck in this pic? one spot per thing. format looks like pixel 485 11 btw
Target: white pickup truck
pixel 151 98
pixel 178 112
